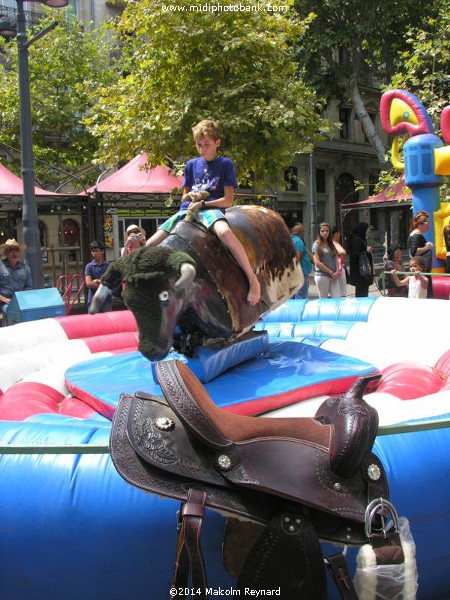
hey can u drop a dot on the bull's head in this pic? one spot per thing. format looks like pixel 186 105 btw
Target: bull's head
pixel 156 281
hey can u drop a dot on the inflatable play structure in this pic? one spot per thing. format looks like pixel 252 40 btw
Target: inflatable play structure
pixel 72 528
pixel 424 162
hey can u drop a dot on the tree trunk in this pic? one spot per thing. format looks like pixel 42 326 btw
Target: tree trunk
pixel 368 126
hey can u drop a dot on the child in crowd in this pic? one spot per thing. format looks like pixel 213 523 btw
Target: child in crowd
pixel 208 189
pixel 417 283
pixel 93 272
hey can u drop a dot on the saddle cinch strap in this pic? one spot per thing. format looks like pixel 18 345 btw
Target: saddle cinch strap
pixel 254 468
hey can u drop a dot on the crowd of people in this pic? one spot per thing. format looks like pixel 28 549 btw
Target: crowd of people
pixel 328 257
pixel 208 190
pixel 327 261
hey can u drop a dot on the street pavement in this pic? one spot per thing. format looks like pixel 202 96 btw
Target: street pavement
pixel 313 293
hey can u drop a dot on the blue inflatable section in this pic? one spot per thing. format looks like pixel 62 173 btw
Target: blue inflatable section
pixel 284 367
pixel 72 529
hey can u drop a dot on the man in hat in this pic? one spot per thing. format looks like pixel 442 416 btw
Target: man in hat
pixel 15 276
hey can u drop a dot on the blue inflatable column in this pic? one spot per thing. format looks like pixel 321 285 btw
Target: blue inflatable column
pixel 421 178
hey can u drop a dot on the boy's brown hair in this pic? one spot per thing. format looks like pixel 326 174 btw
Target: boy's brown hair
pixel 206 128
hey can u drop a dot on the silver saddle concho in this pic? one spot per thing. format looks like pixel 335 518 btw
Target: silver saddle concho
pixel 288 482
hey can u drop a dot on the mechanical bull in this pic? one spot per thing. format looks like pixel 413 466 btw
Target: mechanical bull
pixel 190 287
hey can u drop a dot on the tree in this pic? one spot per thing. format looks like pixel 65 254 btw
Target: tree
pixel 349 38
pixel 425 63
pixel 183 62
pixel 66 65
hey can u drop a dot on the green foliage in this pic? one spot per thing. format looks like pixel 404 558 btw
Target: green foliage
pixel 187 64
pixel 349 38
pixel 425 63
pixel 66 66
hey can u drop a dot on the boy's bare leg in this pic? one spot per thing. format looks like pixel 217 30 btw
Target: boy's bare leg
pixel 227 237
pixel 157 238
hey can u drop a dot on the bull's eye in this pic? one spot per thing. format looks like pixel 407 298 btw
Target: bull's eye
pixel 164 296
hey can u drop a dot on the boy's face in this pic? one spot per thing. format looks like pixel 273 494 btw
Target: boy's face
pixel 97 254
pixel 207 147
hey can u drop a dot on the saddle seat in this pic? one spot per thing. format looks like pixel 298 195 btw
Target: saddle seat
pixel 323 462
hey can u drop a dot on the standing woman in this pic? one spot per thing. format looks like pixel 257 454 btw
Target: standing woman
pixel 340 256
pixel 417 245
pixel 358 247
pixel 326 273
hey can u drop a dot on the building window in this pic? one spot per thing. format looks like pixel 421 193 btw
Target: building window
pixel 345 189
pixel 321 187
pixel 344 118
pixel 291 179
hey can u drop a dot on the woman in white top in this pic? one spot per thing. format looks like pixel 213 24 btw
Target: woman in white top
pixel 326 273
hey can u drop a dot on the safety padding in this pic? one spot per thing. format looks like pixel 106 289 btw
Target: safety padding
pixel 210 361
pixel 441 287
pixel 26 399
pixel 322 329
pixel 112 342
pixel 409 380
pixel 338 309
pixel 86 326
pixel 290 311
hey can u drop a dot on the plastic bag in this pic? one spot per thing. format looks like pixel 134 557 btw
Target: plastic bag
pixel 388 582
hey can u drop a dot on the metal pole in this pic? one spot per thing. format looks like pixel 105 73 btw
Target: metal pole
pixel 313 198
pixel 30 219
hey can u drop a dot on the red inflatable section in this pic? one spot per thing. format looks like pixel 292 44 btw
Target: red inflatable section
pixel 88 326
pixel 441 287
pixel 408 380
pixel 113 332
pixel 27 398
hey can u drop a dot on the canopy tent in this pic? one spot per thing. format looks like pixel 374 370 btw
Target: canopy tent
pixel 11 192
pixel 394 203
pixel 394 195
pixel 134 182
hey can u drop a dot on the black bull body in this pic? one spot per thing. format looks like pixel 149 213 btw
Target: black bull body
pixel 191 286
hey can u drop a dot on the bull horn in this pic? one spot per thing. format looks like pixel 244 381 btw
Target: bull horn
pixel 103 292
pixel 187 276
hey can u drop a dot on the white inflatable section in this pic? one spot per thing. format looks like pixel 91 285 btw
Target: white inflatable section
pixel 30 335
pixel 398 329
pixel 39 358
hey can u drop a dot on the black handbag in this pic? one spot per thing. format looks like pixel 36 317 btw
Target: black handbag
pixel 365 268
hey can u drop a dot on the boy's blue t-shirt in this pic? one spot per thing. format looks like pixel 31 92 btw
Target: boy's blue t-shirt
pixel 212 176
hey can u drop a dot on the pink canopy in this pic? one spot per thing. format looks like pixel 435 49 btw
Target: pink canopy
pixel 11 189
pixel 134 180
pixel 392 195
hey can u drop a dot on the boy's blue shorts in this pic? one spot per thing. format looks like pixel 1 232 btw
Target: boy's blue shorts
pixel 206 217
